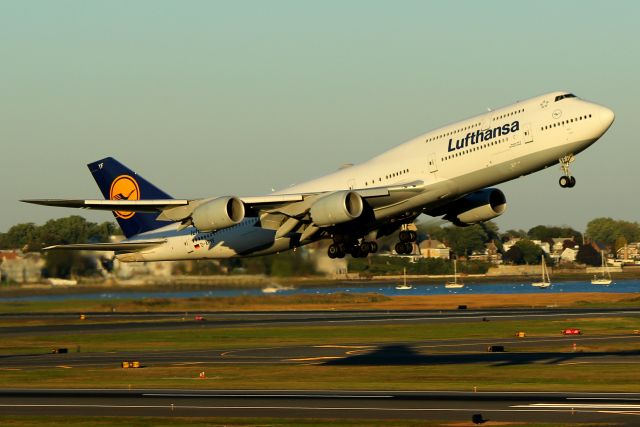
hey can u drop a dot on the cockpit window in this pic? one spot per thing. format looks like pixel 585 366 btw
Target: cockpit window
pixel 566 95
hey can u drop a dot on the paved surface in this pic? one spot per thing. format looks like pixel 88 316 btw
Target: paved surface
pixel 450 351
pixel 165 321
pixel 621 408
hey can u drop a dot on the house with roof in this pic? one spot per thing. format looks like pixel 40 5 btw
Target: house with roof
pixel 17 267
pixel 434 249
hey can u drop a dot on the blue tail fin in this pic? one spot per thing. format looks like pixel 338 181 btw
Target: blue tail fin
pixel 118 182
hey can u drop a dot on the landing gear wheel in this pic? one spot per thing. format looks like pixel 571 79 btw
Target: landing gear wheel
pixel 567 180
pixel 408 248
pixel 333 251
pixel 400 248
pixel 356 252
pixel 365 247
pixel 374 247
pixel 564 181
pixel 407 236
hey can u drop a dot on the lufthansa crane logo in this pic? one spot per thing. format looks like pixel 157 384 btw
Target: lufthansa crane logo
pixel 124 187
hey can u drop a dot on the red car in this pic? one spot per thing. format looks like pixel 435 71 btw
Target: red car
pixel 200 319
pixel 572 331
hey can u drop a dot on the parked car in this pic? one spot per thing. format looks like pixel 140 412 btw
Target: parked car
pixel 572 331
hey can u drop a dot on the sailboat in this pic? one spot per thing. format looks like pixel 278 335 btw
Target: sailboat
pixel 545 282
pixel 605 277
pixel 454 284
pixel 404 286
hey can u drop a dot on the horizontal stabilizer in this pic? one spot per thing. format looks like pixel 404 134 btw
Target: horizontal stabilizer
pixel 118 247
pixel 112 205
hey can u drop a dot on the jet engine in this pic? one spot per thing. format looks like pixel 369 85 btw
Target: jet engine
pixel 217 214
pixel 336 208
pixel 476 207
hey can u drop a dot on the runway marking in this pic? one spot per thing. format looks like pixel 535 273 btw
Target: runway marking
pixel 323 396
pixel 307 408
pixel 580 406
pixel 487 315
pixel 342 346
pixel 600 362
pixel 535 340
pixel 309 359
pixel 621 413
pixel 187 363
pixel 64 366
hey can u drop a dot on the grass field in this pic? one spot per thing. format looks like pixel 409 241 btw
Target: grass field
pixel 460 376
pixel 466 374
pixel 337 301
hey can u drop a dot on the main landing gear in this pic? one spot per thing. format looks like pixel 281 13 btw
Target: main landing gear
pixel 407 238
pixel 567 180
pixel 357 250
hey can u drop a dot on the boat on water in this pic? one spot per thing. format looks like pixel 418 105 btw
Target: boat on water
pixel 273 289
pixel 403 286
pixel 545 282
pixel 604 278
pixel 455 284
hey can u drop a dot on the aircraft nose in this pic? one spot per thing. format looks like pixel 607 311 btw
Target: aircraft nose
pixel 606 117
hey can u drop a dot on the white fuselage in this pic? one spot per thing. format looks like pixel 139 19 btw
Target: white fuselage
pixel 464 156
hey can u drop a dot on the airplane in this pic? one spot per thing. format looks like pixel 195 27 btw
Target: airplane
pixel 447 172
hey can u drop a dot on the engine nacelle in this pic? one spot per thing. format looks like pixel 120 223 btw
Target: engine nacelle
pixel 476 207
pixel 217 214
pixel 336 208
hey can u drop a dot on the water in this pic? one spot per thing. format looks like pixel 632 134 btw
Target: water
pixel 384 288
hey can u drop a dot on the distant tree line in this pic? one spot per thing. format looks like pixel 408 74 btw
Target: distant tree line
pixel 463 241
pixel 73 229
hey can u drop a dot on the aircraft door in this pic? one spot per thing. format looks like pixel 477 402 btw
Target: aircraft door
pixel 433 165
pixel 526 133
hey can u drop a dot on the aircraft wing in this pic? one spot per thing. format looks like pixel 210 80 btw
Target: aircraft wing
pixel 119 247
pixel 181 209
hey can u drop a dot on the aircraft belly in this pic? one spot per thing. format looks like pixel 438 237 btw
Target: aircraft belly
pixel 511 167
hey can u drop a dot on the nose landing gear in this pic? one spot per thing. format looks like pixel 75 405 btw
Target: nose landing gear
pixel 567 180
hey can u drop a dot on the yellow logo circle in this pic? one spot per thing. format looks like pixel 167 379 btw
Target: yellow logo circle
pixel 124 187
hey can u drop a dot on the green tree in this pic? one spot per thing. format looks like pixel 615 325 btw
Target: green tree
pixel 513 256
pixel 20 235
pixel 463 241
pixel 608 230
pixel 545 233
pixel 524 252
pixel 588 255
pixel 510 234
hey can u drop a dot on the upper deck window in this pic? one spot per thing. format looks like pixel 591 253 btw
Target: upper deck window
pixel 566 95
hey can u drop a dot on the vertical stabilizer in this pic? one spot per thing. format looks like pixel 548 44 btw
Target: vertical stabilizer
pixel 118 182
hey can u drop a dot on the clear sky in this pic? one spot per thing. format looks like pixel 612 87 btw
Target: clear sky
pixel 211 98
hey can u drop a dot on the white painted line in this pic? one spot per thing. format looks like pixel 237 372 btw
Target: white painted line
pixel 579 406
pixel 327 396
pixel 303 408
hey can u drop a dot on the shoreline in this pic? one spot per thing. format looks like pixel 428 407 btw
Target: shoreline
pixel 44 289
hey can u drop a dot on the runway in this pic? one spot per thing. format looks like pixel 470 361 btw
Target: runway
pixel 173 321
pixel 622 408
pixel 444 351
